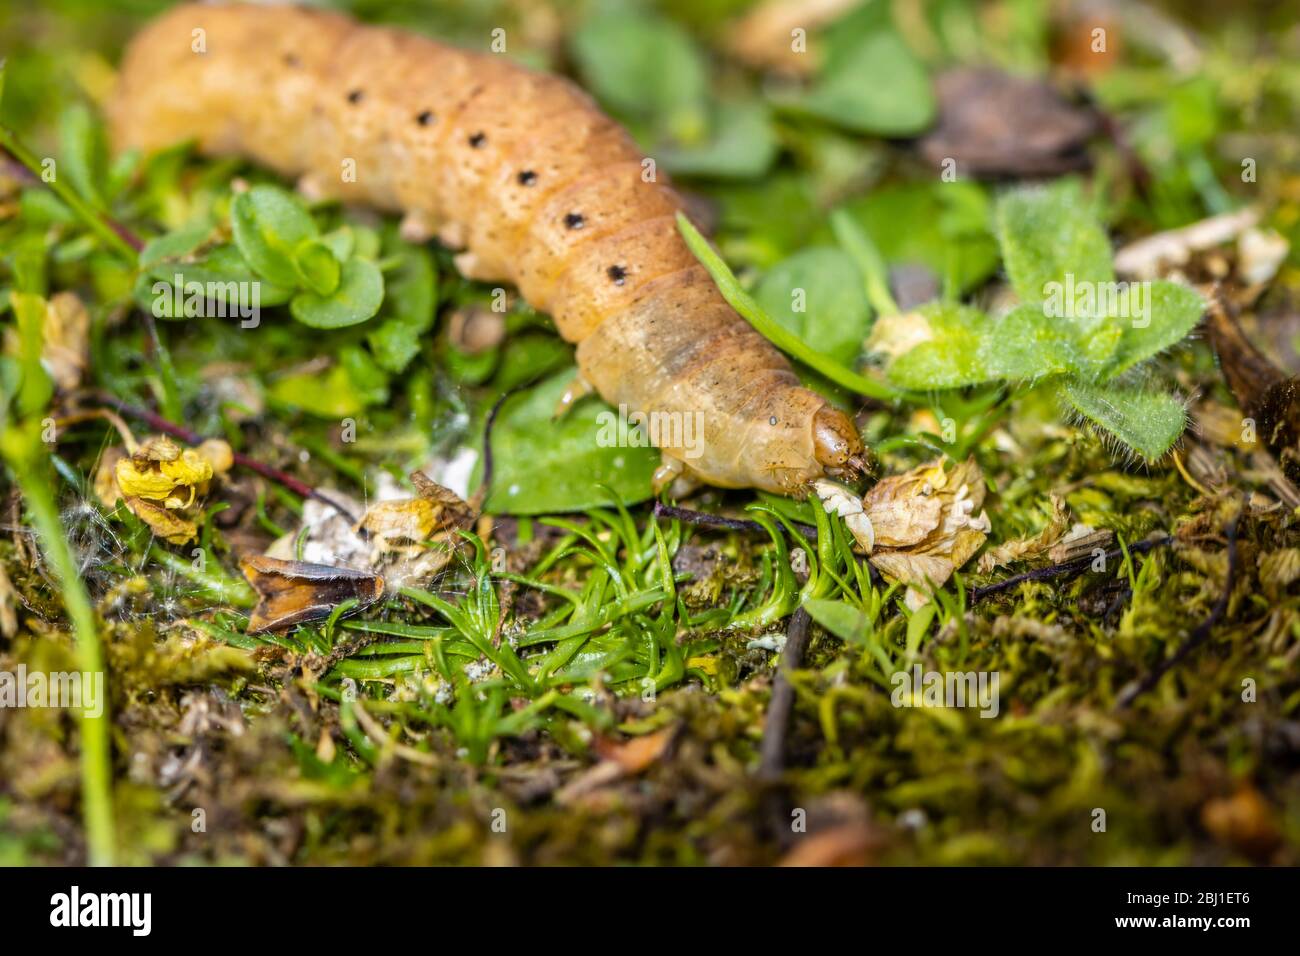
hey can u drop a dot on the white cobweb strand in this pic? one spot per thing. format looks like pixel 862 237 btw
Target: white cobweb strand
pixel 839 500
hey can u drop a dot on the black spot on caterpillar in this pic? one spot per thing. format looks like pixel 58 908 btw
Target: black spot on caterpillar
pixel 578 231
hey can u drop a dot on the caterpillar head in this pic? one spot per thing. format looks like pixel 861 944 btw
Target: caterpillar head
pixel 837 446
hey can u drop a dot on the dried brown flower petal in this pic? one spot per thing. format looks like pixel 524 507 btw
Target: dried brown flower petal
pixel 920 526
pixel 405 526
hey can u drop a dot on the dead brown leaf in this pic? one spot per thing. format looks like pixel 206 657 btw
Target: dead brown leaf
pixel 618 760
pixel 995 124
pixel 1021 549
pixel 1244 821
pixel 636 754
pixel 849 844
pixel 295 592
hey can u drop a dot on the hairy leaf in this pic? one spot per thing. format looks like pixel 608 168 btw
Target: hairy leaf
pixel 943 345
pixel 1047 234
pixel 1147 422
pixel 1173 310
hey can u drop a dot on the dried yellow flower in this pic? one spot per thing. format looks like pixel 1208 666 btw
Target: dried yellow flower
pixel 897 334
pixel 160 481
pixel 161 471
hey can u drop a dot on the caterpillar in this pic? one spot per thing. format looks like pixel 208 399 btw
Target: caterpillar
pixel 522 173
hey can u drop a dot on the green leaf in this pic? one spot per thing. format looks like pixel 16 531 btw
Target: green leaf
pixel 346 388
pixel 875 84
pixel 317 267
pixel 1172 311
pixel 342 242
pixel 268 224
pixel 357 298
pixel 768 327
pixel 644 66
pixel 826 288
pixel 226 279
pixel 176 244
pixel 410 302
pixel 865 254
pixel 742 145
pixel 947 229
pixel 541 465
pixel 40 207
pixel 1147 422
pixel 85 157
pixel 37 387
pixel 840 618
pixel 1047 234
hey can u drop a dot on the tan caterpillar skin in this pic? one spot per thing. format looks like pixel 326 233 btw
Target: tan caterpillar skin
pixel 522 171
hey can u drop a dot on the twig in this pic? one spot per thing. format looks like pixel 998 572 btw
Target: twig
pixel 705 520
pixel 488 422
pixel 158 423
pixel 1069 568
pixel 772 761
pixel 1119 138
pixel 1202 632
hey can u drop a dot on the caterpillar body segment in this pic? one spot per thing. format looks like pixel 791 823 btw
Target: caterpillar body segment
pixel 520 172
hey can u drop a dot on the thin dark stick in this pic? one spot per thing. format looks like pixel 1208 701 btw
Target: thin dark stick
pixel 1115 132
pixel 705 520
pixel 1198 636
pixel 158 423
pixel 1077 566
pixel 487 439
pixel 772 761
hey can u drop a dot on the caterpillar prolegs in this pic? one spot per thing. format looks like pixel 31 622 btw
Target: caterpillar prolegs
pixel 521 171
